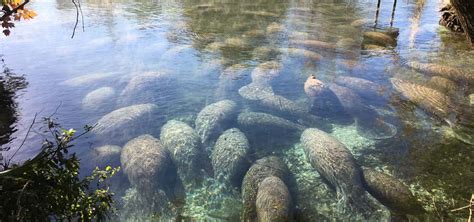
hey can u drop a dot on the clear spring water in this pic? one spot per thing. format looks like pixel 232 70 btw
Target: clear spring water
pixel 195 41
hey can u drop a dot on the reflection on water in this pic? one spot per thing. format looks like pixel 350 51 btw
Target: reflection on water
pixel 207 103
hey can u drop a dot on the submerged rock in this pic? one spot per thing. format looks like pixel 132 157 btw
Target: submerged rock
pixel 186 150
pixel 126 122
pixel 229 156
pixel 273 201
pixel 98 99
pixel 271 166
pixel 450 72
pixel 380 38
pixel 149 167
pixel 266 71
pixel 337 165
pixel 213 118
pixel 255 121
pixel 391 193
pixel 365 88
pixel 149 87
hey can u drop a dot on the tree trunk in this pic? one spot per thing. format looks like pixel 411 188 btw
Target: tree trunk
pixel 465 11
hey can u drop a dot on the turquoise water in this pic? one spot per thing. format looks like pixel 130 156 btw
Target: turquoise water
pixel 185 55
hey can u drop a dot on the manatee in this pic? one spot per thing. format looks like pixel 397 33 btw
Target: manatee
pixel 149 167
pixel 365 88
pixel 87 80
pixel 456 74
pixel 336 164
pixel 98 99
pixel 266 122
pixel 265 53
pixel 443 85
pixel 126 122
pixel 302 53
pixel 391 192
pixel 270 166
pixel 314 44
pixel 428 99
pixel 229 156
pixel 274 28
pixel 236 42
pixel 214 47
pixel 380 38
pixel 254 33
pixel 260 13
pixel 262 95
pixel 107 155
pixel 373 47
pixel 359 22
pixel 460 118
pixel 230 80
pixel 369 124
pixel 266 71
pixel 273 201
pixel 149 87
pixel 186 150
pixel 213 118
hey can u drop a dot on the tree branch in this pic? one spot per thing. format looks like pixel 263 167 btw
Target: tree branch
pixel 10 12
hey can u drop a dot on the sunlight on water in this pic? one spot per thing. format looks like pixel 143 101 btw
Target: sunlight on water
pixel 243 80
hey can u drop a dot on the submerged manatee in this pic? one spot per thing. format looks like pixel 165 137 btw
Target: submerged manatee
pixel 443 85
pixel 336 164
pixel 391 192
pixel 255 121
pixel 149 87
pixel 314 44
pixel 89 79
pixel 107 155
pixel 302 53
pixel 271 166
pixel 266 71
pixel 98 99
pixel 229 156
pixel 126 122
pixel 230 80
pixel 186 150
pixel 453 73
pixel 380 38
pixel 149 167
pixel 365 88
pixel 369 124
pixel 213 118
pixel 273 202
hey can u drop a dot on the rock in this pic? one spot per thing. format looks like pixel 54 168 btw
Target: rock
pixel 271 166
pixel 149 87
pixel 255 121
pixel 336 164
pixel 456 74
pixel 229 156
pixel 186 150
pixel 121 124
pixel 273 201
pixel 443 85
pixel 87 80
pixel 266 71
pixel 380 38
pixel 302 53
pixel 98 99
pixel 213 118
pixel 149 166
pixel 365 88
pixel 391 192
